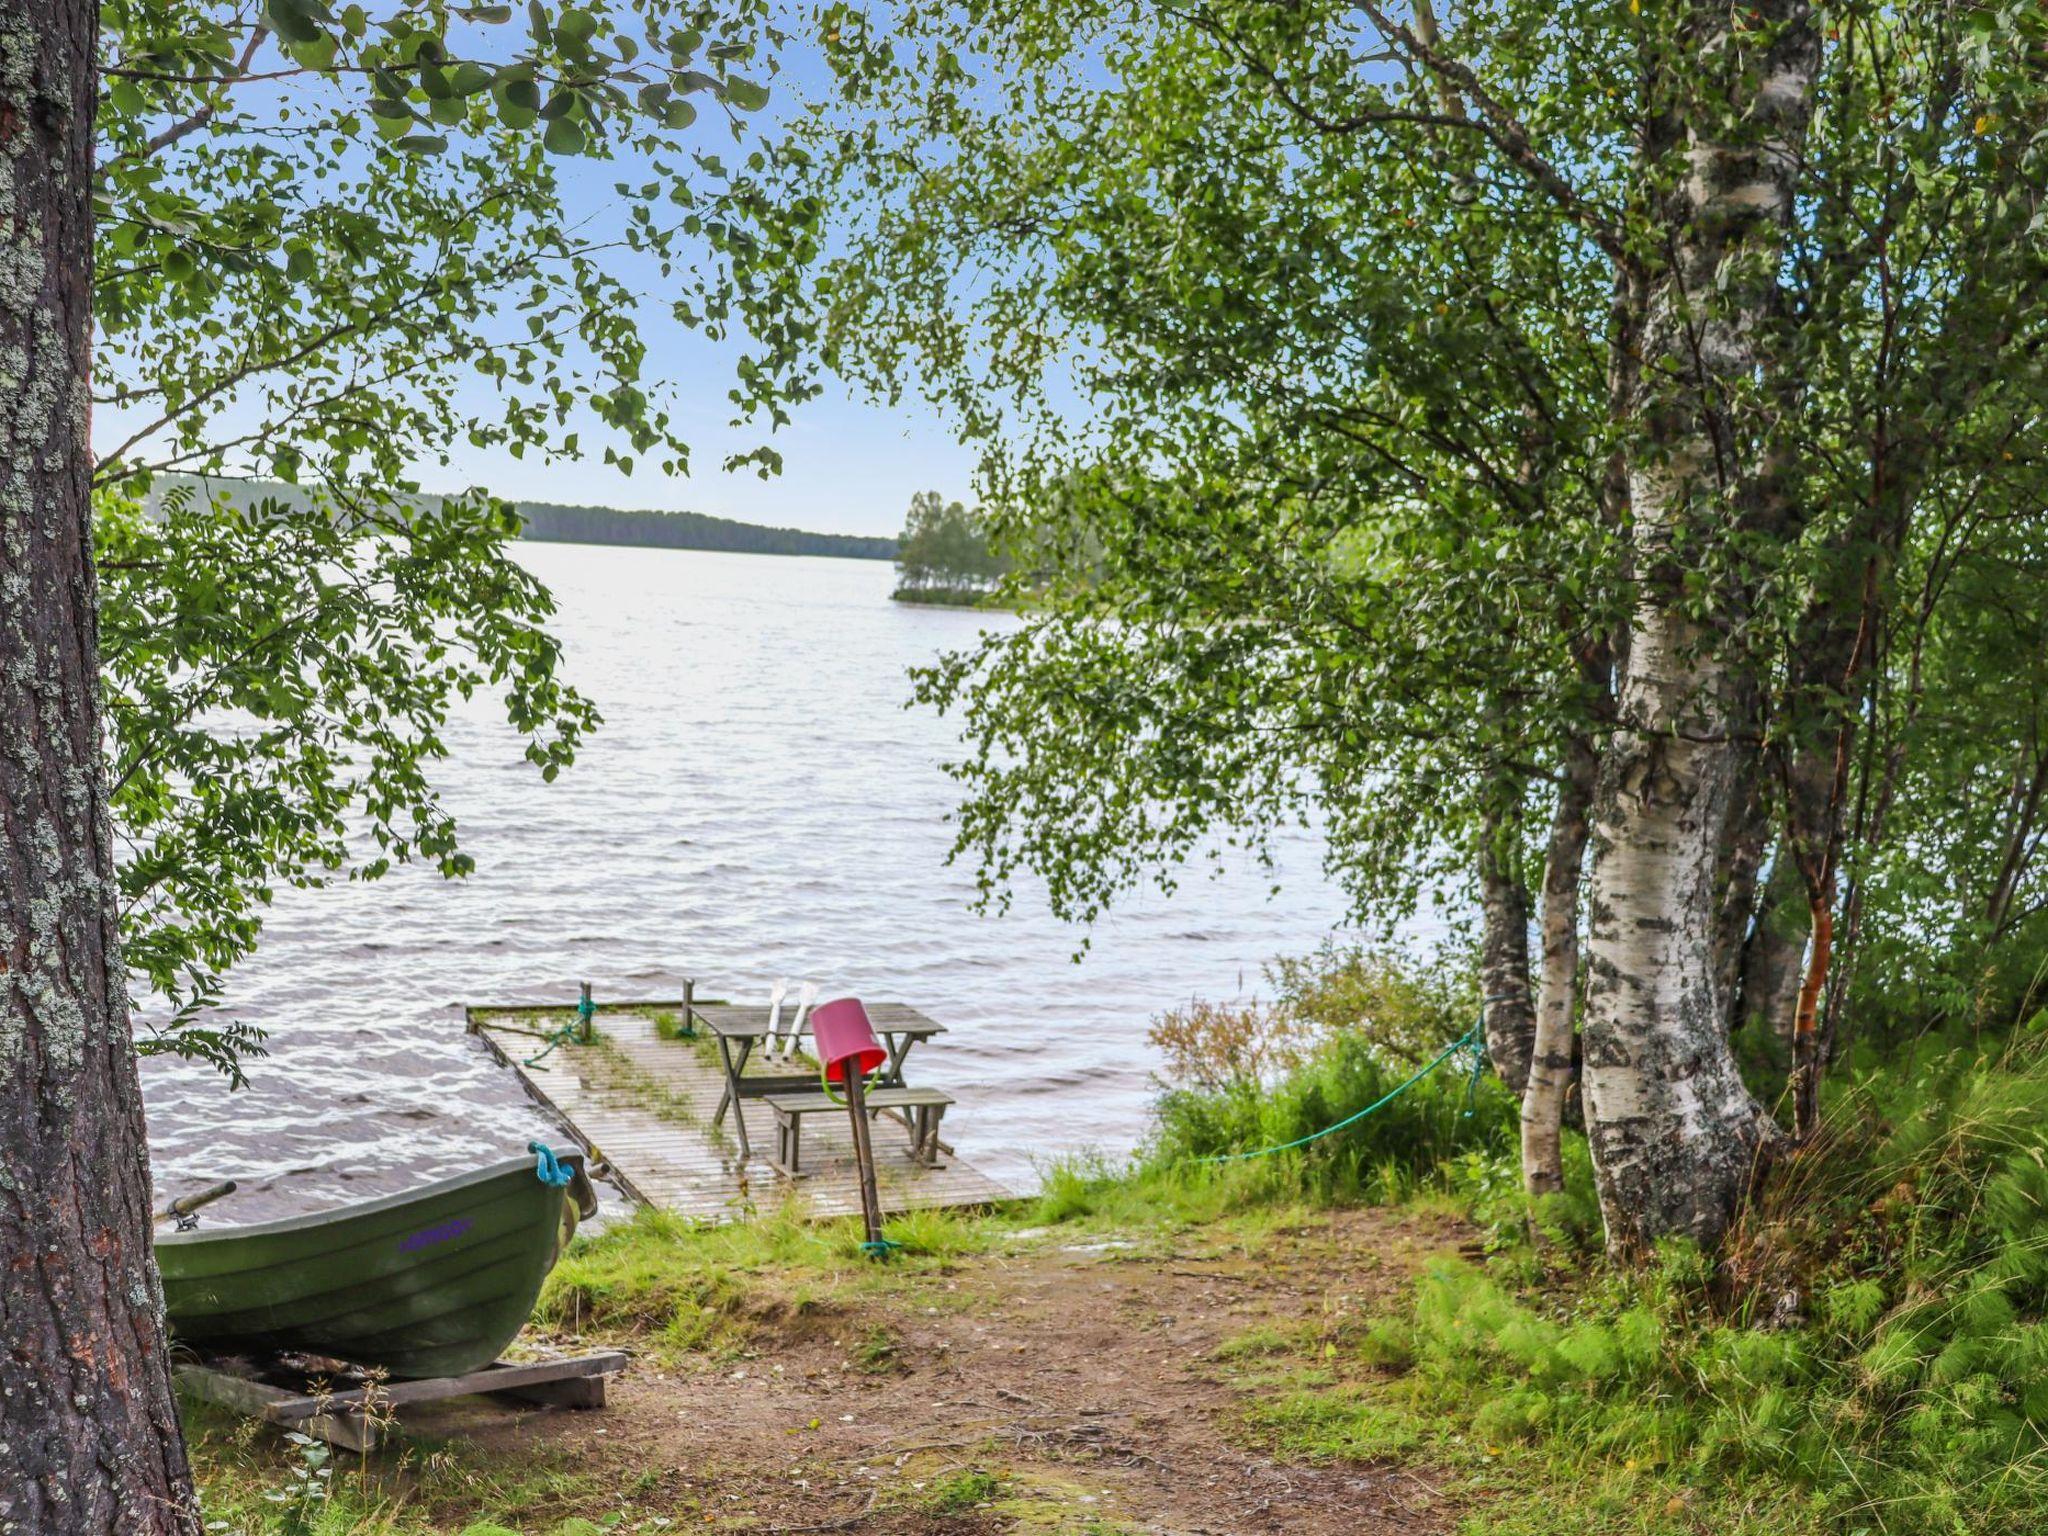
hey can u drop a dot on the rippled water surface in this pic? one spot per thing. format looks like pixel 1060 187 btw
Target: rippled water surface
pixel 758 804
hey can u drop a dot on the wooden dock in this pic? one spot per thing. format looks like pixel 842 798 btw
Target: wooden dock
pixel 642 1103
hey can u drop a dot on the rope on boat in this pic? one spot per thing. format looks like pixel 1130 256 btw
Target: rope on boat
pixel 1472 1041
pixel 548 1168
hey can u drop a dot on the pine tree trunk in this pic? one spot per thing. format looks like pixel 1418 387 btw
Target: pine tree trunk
pixel 89 1442
pixel 1551 1060
pixel 1508 1010
pixel 1675 1133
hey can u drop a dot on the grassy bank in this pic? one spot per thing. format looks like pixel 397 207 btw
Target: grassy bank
pixel 1870 1358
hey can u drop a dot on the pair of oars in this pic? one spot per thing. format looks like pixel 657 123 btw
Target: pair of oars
pixel 779 1043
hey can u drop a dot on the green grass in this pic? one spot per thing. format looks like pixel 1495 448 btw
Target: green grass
pixel 1906 1394
pixel 681 1286
pixel 255 1482
pixel 962 1491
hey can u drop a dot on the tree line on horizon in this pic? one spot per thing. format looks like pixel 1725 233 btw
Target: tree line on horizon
pixel 548 522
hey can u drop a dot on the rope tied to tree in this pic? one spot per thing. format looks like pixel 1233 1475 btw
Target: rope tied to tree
pixel 1473 1041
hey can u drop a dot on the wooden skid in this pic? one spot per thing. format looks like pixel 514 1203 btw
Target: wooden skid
pixel 643 1105
pixel 352 1418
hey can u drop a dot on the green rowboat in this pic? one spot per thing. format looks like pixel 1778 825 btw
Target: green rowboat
pixel 434 1282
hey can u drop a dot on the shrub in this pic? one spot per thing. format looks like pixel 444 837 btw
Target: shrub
pixel 1872 1351
pixel 1383 1156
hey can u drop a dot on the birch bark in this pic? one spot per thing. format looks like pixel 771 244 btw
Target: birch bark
pixel 1551 1065
pixel 89 1442
pixel 1674 1131
pixel 1508 1010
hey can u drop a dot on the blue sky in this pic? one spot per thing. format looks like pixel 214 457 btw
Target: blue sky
pixel 849 466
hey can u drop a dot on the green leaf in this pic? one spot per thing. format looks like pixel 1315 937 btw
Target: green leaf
pixel 423 144
pixel 745 94
pixel 471 78
pixel 292 20
pixel 574 29
pixel 679 114
pixel 318 54
pixel 565 136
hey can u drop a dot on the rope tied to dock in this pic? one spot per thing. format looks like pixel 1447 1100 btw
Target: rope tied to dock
pixel 1472 1042
pixel 548 1168
pixel 574 1031
pixel 880 1247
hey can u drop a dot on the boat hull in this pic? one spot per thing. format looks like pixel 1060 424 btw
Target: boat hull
pixel 434 1282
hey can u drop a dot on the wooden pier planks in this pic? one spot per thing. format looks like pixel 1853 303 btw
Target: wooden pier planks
pixel 643 1105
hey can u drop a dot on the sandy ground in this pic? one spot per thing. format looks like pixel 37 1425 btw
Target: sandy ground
pixel 1084 1377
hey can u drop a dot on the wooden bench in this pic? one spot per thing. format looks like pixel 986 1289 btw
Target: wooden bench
pixel 921 1110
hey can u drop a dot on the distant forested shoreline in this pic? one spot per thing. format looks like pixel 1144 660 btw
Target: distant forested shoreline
pixel 549 522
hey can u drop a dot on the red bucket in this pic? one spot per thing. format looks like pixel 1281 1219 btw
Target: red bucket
pixel 840 1032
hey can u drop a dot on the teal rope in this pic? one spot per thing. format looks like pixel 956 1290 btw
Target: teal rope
pixel 880 1248
pixel 576 1030
pixel 1471 1040
pixel 548 1168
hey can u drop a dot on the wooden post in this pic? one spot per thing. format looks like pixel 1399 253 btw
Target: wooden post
pixel 585 1008
pixel 689 1007
pixel 863 1153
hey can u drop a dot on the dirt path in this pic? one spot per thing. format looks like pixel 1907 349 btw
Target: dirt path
pixel 1065 1385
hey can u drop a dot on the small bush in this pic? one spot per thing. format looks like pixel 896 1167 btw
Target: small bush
pixel 1409 1140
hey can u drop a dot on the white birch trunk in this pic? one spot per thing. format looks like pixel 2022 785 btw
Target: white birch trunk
pixel 1551 1066
pixel 1675 1133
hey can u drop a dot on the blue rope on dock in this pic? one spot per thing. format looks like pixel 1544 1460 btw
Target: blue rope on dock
pixel 548 1168
pixel 1473 1040
pixel 576 1030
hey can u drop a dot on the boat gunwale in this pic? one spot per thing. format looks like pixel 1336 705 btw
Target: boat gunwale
pixel 373 1207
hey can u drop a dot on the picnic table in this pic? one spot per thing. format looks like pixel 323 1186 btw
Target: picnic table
pixel 740 1030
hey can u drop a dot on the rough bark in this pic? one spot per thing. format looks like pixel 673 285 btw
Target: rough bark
pixel 1830 665
pixel 88 1429
pixel 1675 1133
pixel 1509 1010
pixel 1553 1062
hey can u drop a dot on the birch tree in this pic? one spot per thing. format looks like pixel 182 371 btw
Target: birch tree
pixel 1553 396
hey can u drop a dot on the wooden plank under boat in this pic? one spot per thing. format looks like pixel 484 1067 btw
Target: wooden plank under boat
pixel 432 1282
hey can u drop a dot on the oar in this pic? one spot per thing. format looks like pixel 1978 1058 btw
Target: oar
pixel 181 1209
pixel 804 998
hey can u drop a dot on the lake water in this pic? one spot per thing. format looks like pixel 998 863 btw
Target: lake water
pixel 758 804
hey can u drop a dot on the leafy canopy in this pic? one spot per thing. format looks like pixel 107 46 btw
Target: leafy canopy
pixel 336 248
